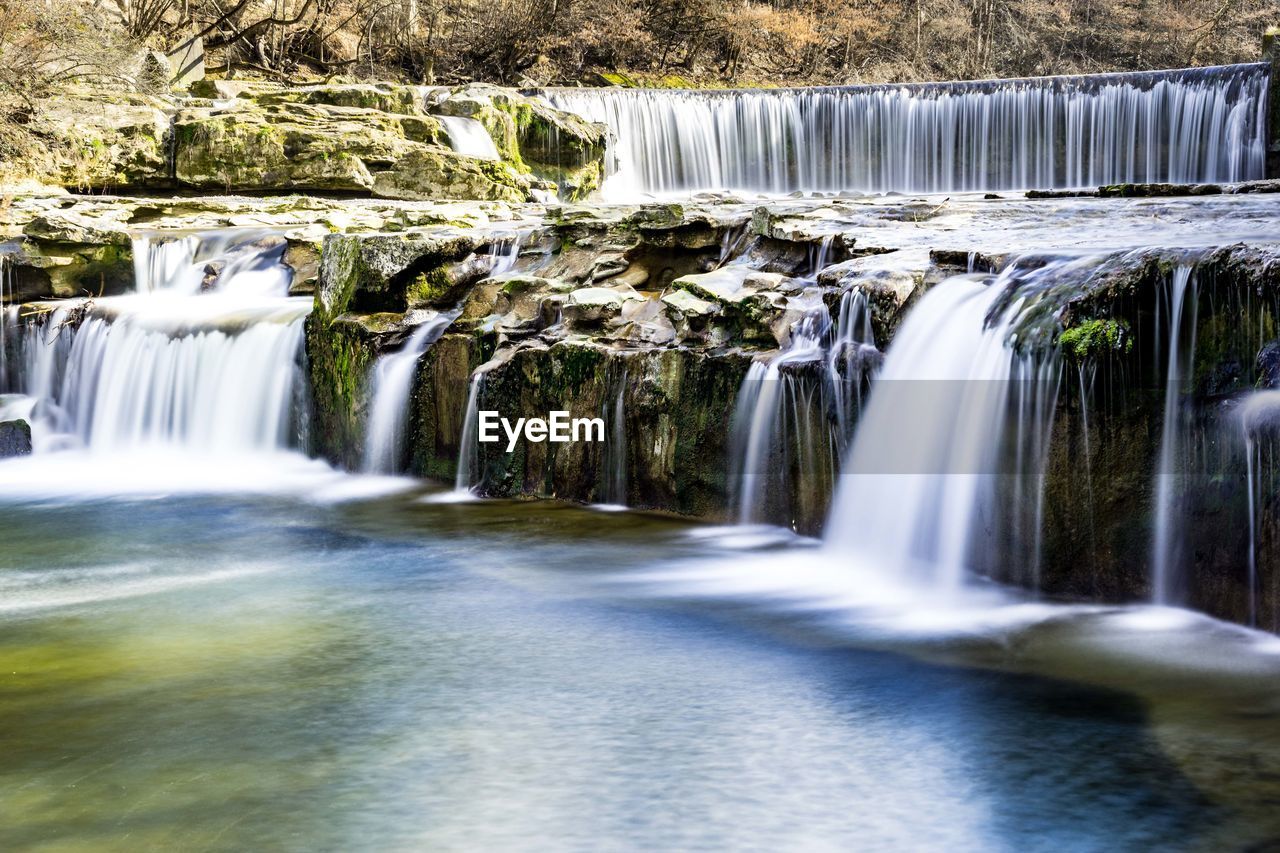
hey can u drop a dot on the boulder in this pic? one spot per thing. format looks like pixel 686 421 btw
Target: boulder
pixel 15 438
pixel 291 147
pixel 593 305
pixel 440 173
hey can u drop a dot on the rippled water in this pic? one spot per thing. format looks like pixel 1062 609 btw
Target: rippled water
pixel 272 672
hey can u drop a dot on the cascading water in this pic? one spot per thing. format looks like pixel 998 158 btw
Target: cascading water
pixel 1260 425
pixel 921 480
pixel 469 138
pixel 468 456
pixel 787 418
pixel 392 380
pixel 1185 126
pixel 1178 321
pixel 204 356
pixel 614 491
pixel 5 289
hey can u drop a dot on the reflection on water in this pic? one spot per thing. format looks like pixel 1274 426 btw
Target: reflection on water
pixel 234 673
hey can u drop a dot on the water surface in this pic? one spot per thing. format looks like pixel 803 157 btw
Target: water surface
pixel 268 672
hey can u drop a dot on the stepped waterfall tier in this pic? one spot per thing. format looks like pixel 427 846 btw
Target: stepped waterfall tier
pixel 1191 126
pixel 203 356
pixel 644 468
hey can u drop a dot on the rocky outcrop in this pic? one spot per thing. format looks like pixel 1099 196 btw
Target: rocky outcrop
pixel 548 143
pixel 369 139
pixel 597 316
pixel 99 140
pixel 658 311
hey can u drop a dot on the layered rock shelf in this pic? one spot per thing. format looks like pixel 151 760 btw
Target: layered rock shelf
pixel 380 140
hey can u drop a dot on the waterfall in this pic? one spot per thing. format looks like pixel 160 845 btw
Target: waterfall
pixel 205 355
pixel 921 484
pixel 392 381
pixel 504 252
pixel 615 451
pixel 790 416
pixel 468 445
pixel 469 138
pixel 1183 126
pixel 1260 422
pixel 1177 308
pixel 765 400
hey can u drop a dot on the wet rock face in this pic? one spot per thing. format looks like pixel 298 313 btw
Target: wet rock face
pixel 1100 495
pixel 15 438
pixel 673 403
pixel 595 319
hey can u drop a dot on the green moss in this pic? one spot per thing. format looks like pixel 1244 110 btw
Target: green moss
pixel 575 365
pixel 617 78
pixel 1096 337
pixel 429 286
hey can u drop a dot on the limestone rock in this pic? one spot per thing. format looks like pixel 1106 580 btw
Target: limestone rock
pixel 430 174
pixel 592 305
pixel 94 143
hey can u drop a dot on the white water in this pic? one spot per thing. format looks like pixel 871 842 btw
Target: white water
pixel 204 357
pixel 5 289
pixel 392 382
pixel 468 446
pixel 1259 421
pixel 469 138
pixel 1178 321
pixel 1183 126
pixel 763 399
pixel 922 476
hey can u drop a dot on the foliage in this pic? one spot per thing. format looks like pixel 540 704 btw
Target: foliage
pixel 691 42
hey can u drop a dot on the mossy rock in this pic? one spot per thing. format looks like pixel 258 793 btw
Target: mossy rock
pixel 1095 338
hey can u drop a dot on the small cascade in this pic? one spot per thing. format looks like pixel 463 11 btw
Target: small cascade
pixel 504 252
pixel 1177 319
pixel 614 491
pixel 392 382
pixel 958 406
pixel 1259 419
pixel 794 413
pixel 1182 126
pixel 466 479
pixel 469 138
pixel 206 355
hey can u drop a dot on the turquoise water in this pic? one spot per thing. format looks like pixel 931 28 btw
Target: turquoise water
pixel 230 673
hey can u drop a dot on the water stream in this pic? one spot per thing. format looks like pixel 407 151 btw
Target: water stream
pixel 468 136
pixel 392 382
